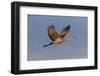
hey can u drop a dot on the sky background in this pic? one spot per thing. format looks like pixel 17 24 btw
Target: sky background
pixel 38 36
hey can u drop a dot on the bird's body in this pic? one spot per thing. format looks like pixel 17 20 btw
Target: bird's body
pixel 55 37
pixel 58 40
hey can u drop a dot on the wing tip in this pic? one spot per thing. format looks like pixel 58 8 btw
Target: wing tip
pixel 68 26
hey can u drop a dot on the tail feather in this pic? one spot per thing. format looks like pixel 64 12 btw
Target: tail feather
pixel 48 44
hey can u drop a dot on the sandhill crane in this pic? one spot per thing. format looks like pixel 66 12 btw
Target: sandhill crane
pixel 55 37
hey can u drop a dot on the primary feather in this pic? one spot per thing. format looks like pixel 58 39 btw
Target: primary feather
pixel 52 33
pixel 65 31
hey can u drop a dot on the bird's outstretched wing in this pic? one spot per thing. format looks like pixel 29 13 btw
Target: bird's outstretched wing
pixel 52 33
pixel 65 31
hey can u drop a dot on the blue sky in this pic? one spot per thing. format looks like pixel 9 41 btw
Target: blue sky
pixel 38 36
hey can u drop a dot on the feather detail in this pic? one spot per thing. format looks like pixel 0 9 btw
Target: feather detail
pixel 65 31
pixel 53 35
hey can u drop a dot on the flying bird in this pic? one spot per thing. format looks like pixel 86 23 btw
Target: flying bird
pixel 55 37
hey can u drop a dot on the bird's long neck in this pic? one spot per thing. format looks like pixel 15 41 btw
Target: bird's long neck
pixel 48 44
